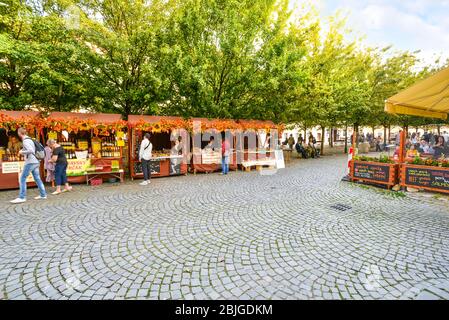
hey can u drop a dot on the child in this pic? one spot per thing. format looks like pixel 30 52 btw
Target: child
pixel 412 152
pixel 49 166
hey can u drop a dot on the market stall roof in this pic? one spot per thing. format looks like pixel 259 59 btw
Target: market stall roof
pixel 98 117
pixel 217 124
pixel 134 119
pixel 256 124
pixel 19 114
pixel 427 98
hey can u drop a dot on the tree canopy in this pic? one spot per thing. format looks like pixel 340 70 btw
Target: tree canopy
pixel 201 58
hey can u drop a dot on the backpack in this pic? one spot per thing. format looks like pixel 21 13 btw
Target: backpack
pixel 39 151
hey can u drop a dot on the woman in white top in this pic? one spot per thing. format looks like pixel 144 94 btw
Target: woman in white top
pixel 145 156
pixel 175 151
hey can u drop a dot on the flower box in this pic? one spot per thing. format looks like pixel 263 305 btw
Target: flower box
pixel 374 172
pixel 432 178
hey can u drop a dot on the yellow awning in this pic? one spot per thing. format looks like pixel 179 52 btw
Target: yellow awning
pixel 427 98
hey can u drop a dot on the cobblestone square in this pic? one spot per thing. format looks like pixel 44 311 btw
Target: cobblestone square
pixel 241 236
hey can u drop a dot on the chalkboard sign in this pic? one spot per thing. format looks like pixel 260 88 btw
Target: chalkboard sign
pixel 369 171
pixel 155 167
pixel 427 178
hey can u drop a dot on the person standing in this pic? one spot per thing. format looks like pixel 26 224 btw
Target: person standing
pixel 145 156
pixel 291 142
pixel 60 160
pixel 225 152
pixel 378 144
pixel 48 165
pixel 31 165
pixel 175 152
pixel 210 144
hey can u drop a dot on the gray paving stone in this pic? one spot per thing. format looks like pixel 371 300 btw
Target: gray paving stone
pixel 223 238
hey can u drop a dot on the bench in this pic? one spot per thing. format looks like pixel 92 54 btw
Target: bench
pixel 258 164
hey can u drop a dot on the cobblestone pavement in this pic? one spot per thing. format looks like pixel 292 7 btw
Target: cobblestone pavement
pixel 298 234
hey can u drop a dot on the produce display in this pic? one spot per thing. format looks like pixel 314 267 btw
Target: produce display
pixel 6 155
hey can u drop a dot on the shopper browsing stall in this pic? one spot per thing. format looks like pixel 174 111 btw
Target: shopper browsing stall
pixel 31 165
pixel 175 152
pixel 225 152
pixel 60 160
pixel 145 156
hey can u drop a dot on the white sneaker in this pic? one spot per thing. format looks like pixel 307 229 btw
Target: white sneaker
pixel 40 198
pixel 149 181
pixel 18 200
pixel 144 183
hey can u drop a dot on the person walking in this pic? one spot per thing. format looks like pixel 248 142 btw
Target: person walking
pixel 60 160
pixel 378 144
pixel 145 156
pixel 31 165
pixel 225 152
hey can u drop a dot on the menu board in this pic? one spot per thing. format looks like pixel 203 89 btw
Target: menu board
pixel 427 177
pixel 11 167
pixel 376 172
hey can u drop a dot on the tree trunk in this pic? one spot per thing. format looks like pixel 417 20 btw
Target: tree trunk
pixel 323 129
pixel 356 134
pixel 389 134
pixel 439 130
pixel 385 136
pixel 331 137
pixel 346 139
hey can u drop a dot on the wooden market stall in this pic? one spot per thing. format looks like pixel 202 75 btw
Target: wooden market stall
pixel 427 98
pixel 208 158
pixel 93 142
pixel 166 161
pixel 255 146
pixel 11 164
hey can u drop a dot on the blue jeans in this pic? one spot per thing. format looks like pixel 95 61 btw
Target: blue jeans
pixel 225 164
pixel 60 174
pixel 34 169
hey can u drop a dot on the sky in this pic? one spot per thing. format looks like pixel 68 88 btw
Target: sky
pixel 405 24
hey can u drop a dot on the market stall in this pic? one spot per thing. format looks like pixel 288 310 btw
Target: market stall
pixel 93 142
pixel 425 163
pixel 168 156
pixel 255 147
pixel 11 163
pixel 206 157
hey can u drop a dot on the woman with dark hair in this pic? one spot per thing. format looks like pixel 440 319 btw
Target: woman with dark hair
pixel 439 147
pixel 60 160
pixel 145 156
